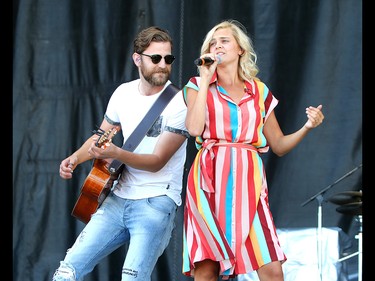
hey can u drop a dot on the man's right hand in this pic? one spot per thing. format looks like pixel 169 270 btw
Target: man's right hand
pixel 67 166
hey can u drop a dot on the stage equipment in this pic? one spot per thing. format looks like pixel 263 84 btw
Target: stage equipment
pixel 351 204
pixel 319 198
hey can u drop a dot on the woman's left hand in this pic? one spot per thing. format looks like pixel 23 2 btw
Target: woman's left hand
pixel 315 116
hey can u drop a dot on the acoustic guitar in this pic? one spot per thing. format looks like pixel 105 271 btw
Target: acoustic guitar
pixel 98 183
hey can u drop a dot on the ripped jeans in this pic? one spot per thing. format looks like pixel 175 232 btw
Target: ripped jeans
pixel 147 222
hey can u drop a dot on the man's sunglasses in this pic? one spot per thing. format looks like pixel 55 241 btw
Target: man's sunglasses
pixel 169 59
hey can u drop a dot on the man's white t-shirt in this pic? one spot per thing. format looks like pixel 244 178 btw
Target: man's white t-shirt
pixel 128 107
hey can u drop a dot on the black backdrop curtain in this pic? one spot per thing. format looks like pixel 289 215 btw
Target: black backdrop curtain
pixel 69 56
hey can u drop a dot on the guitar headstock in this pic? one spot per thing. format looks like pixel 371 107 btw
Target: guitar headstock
pixel 105 137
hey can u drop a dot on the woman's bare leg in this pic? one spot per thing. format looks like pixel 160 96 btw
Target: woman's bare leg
pixel 207 270
pixel 271 272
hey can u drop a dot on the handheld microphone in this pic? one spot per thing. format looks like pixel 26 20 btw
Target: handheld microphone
pixel 203 61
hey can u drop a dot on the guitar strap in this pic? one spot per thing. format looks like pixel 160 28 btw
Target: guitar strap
pixel 141 130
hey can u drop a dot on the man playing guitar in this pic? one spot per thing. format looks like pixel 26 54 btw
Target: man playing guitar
pixel 141 206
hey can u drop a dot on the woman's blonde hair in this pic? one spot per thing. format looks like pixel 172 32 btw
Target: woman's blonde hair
pixel 248 68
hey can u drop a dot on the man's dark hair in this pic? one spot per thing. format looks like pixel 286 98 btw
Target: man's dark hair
pixel 148 35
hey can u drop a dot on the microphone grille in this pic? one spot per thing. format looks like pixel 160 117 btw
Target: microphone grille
pixel 198 62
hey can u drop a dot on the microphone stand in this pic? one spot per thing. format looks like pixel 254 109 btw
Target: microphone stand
pixel 319 198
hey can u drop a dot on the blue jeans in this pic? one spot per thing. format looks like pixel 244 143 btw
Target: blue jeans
pixel 148 223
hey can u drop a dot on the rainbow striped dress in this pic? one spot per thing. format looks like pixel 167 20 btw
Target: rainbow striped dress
pixel 227 216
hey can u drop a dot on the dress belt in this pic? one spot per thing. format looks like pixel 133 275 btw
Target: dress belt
pixel 207 156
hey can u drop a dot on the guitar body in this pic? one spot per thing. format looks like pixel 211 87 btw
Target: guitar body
pixel 95 189
pixel 97 184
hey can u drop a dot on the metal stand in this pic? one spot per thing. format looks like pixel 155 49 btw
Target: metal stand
pixel 319 198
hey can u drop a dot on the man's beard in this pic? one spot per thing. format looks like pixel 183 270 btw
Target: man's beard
pixel 156 78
